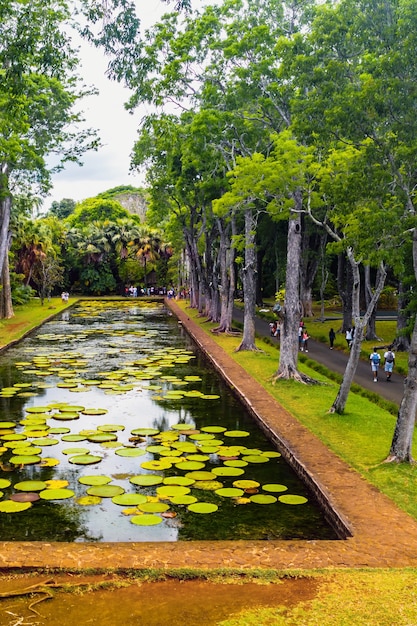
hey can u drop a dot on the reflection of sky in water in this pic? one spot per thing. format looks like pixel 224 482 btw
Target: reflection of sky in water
pixel 108 341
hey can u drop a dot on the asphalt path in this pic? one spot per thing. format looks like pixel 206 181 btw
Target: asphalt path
pixel 336 360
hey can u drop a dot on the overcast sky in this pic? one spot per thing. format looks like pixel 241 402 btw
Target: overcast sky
pixel 109 166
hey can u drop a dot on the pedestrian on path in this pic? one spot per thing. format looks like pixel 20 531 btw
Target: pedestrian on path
pixel 389 360
pixel 349 337
pixel 375 359
pixel 305 337
pixel 332 337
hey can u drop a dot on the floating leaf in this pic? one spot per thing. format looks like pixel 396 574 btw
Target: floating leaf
pixel 56 483
pixel 213 429
pixel 144 432
pixel 5 482
pixel 190 465
pixel 229 492
pixel 186 499
pixel 94 411
pixel 236 433
pixel 172 490
pixel 163 464
pixel 228 471
pixel 95 479
pixel 25 497
pixel 85 459
pixel 105 491
pixel 25 460
pixel 56 494
pixel 201 475
pixel 30 485
pixel 290 499
pixel 146 520
pixel 88 500
pixel 73 438
pixel 126 499
pixel 153 507
pixel 130 452
pixel 263 499
pixel 48 462
pixel 202 507
pixel 74 451
pixel 9 506
pixel 184 481
pixel 208 485
pixel 245 484
pixel 255 459
pixel 274 488
pixel 146 480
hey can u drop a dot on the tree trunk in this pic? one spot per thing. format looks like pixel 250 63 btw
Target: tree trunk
pixel 344 287
pixel 371 327
pixel 249 283
pixel 6 306
pixel 404 428
pixel 288 355
pixel 311 245
pixel 402 440
pixel 227 277
pixel 402 340
pixel 339 404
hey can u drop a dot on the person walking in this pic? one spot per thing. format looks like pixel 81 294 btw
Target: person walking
pixel 349 337
pixel 389 360
pixel 332 337
pixel 375 359
pixel 305 338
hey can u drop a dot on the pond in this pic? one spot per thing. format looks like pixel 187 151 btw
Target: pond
pixel 113 427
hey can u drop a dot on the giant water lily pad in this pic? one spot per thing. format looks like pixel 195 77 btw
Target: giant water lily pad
pixel 274 488
pixel 144 432
pixel 57 494
pixel 236 433
pixel 255 459
pixel 168 491
pixel 56 483
pixel 25 460
pixel 28 496
pixel 10 506
pixel 94 411
pixel 129 499
pixel 228 471
pixel 190 465
pixel 73 438
pixel 202 507
pixel 183 481
pixel 8 424
pixel 186 499
pixel 208 485
pixel 85 459
pixel 163 464
pixel 245 484
pixel 88 500
pixel 30 485
pixel 146 480
pixel 146 520
pixel 4 483
pixel 292 499
pixel 261 498
pixel 130 452
pixel 102 437
pixel 153 507
pixel 48 462
pixel 95 479
pixel 74 451
pixel 105 491
pixel 229 492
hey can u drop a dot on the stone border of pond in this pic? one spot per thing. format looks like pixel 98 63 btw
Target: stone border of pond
pixel 378 534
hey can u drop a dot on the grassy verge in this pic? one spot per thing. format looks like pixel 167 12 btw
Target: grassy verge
pixel 29 316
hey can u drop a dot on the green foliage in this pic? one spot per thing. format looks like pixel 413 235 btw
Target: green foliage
pixel 97 210
pixel 97 280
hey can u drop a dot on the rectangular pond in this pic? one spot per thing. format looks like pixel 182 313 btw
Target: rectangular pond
pixel 113 428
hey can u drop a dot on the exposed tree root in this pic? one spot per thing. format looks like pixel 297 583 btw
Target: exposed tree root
pixel 294 375
pixel 231 332
pixel 251 348
pixel 393 458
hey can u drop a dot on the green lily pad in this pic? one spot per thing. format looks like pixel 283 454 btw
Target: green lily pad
pixel 110 428
pixel 144 432
pixel 25 496
pixel 66 416
pixel 236 433
pixel 56 494
pixel 73 438
pixel 146 480
pixel 94 411
pixel 290 499
pixel 236 463
pixel 186 499
pixel 74 451
pixel 261 498
pixel 229 492
pixel 146 520
pixel 88 500
pixel 213 429
pixel 10 506
pixel 105 491
pixel 31 485
pixel 190 465
pixel 172 490
pixel 274 488
pixel 14 437
pixel 228 471
pixel 94 480
pixel 153 507
pixel 183 481
pixel 201 475
pixel 8 424
pixel 163 464
pixel 245 484
pixel 102 437
pixel 255 459
pixel 202 507
pixel 129 499
pixel 38 409
pixel 130 452
pixel 85 459
pixel 25 460
pixel 4 483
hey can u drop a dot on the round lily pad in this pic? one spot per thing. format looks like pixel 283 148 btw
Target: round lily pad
pixel 236 433
pixel 163 464
pixel 56 494
pixel 184 481
pixel 9 506
pixel 202 507
pixel 228 471
pixel 146 480
pixel 105 491
pixel 88 500
pixel 25 460
pixel 190 465
pixel 208 485
pixel 66 416
pixel 48 462
pixel 74 451
pixel 130 452
pixel 172 490
pixel 30 485
pixel 144 432
pixel 213 429
pixel 94 480
pixel 201 475
pixel 261 498
pixel 27 496
pixel 73 438
pixel 94 411
pixel 153 507
pixel 235 463
pixel 274 488
pixel 290 499
pixel 56 483
pixel 5 482
pixel 146 520
pixel 85 459
pixel 229 492
pixel 102 437
pixel 252 458
pixel 245 484
pixel 129 499
pixel 38 409
pixel 110 428
pixel 186 499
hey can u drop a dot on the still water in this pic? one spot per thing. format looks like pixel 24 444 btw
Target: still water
pixel 114 428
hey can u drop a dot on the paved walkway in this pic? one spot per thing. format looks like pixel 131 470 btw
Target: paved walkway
pixel 382 535
pixel 335 360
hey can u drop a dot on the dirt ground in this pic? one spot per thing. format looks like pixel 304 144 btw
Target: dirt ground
pixel 367 516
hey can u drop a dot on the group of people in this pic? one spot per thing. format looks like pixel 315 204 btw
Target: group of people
pixel 303 337
pixel 389 360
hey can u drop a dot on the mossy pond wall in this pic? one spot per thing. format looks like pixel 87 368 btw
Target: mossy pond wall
pixel 113 428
